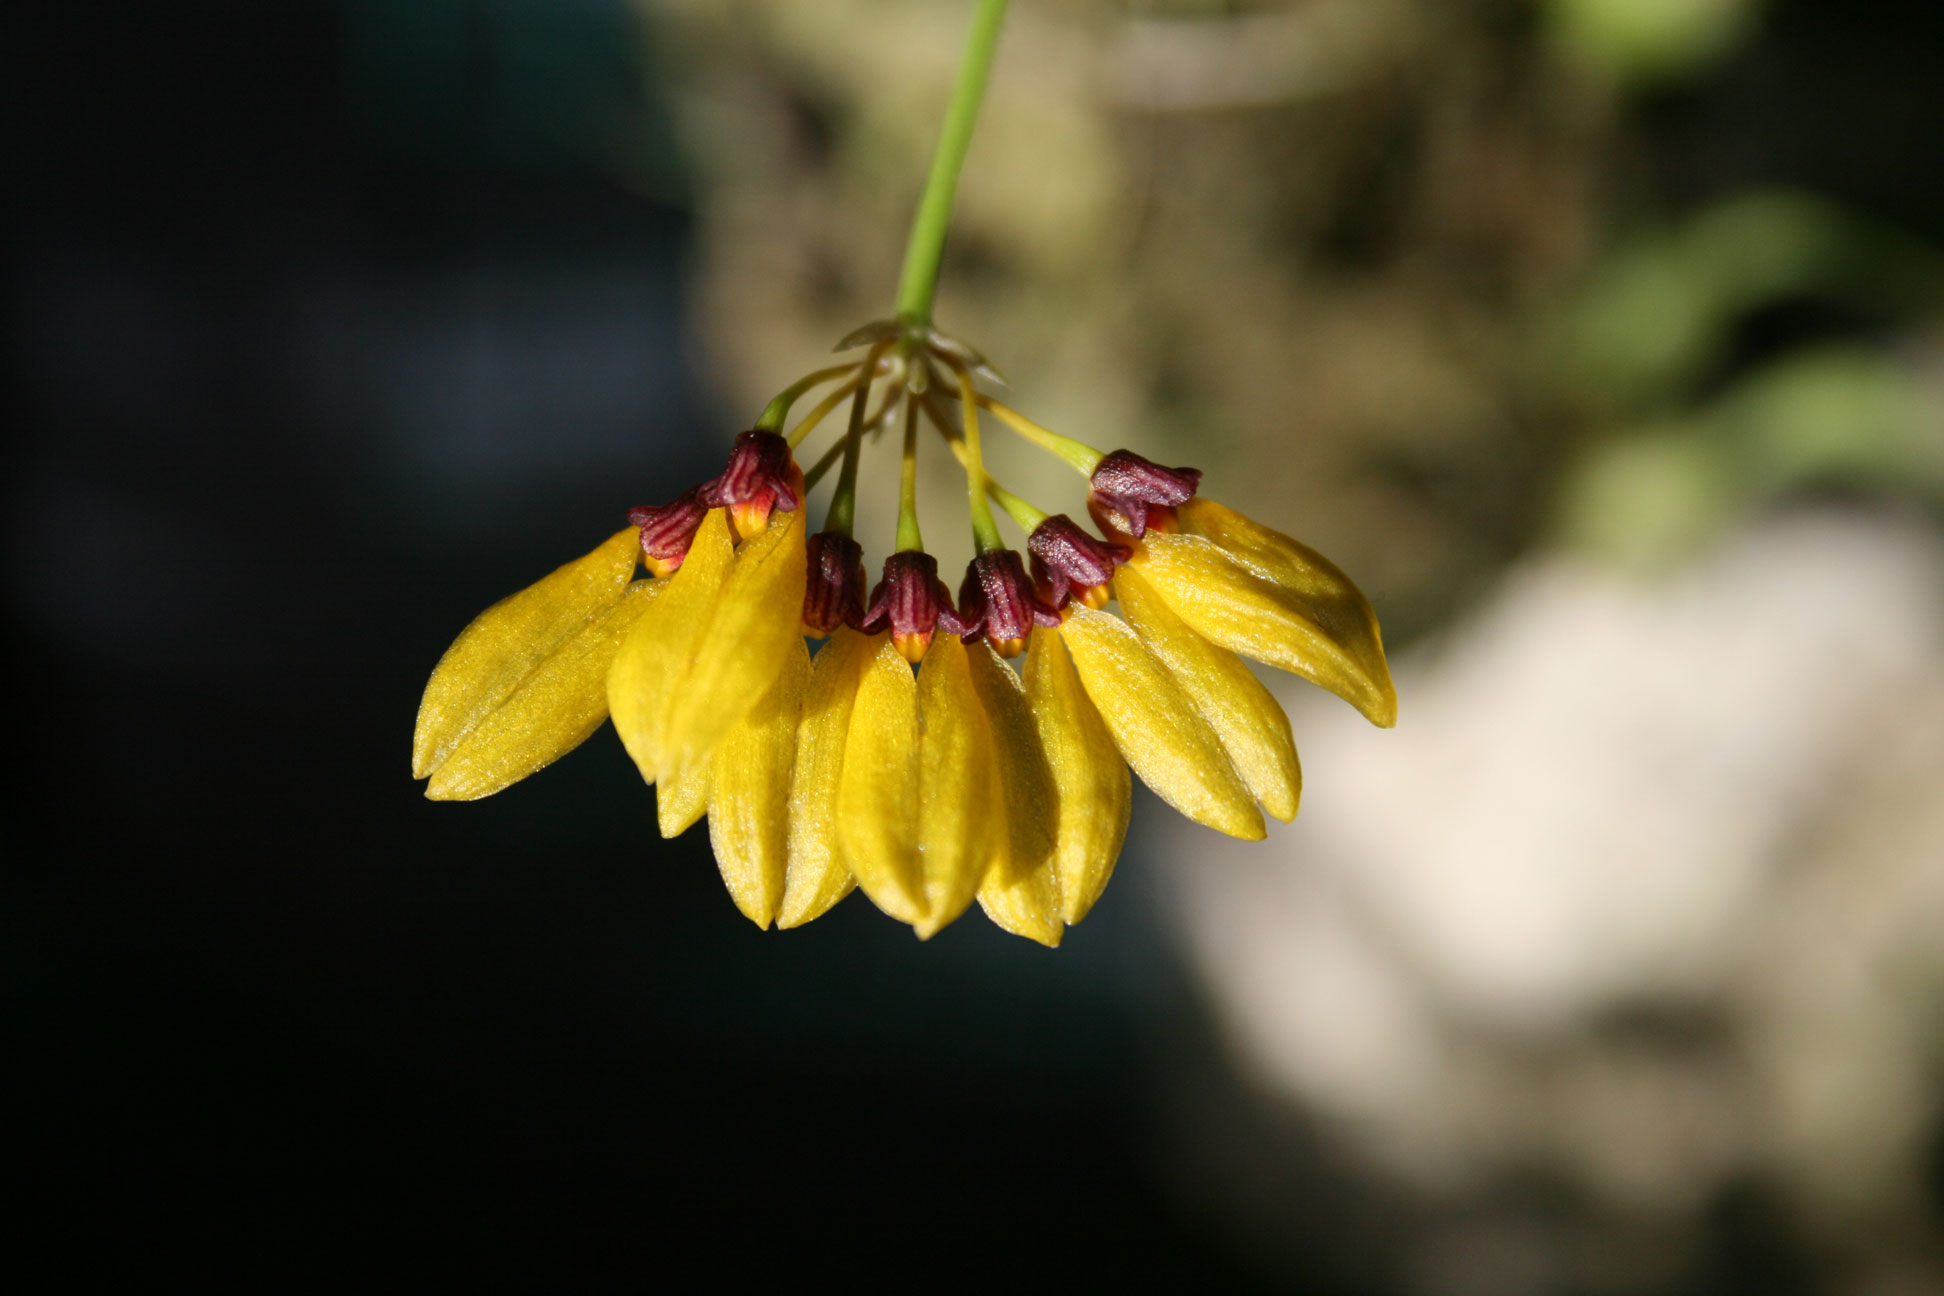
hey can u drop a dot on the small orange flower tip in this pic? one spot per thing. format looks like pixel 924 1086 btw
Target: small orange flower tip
pixel 1069 563
pixel 833 590
pixel 1133 491
pixel 997 601
pixel 912 603
pixel 912 647
pixel 761 477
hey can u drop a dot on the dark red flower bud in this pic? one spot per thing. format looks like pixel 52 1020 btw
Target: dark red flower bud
pixel 913 602
pixel 997 602
pixel 761 475
pixel 834 593
pixel 667 530
pixel 1071 563
pixel 1134 488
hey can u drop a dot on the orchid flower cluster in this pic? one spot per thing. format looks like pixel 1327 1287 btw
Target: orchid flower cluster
pixel 904 756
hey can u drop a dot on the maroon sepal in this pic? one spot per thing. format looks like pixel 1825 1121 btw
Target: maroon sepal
pixel 668 529
pixel 913 602
pixel 1071 563
pixel 997 602
pixel 834 593
pixel 1126 484
pixel 761 475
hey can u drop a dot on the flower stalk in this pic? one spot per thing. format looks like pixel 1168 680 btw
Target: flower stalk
pixel 908 534
pixel 925 247
pixel 771 419
pixel 985 533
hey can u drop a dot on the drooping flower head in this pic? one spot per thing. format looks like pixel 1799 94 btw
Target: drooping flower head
pixel 913 604
pixel 1127 492
pixel 905 757
pixel 997 603
pixel 833 593
pixel 668 529
pixel 761 476
pixel 1072 564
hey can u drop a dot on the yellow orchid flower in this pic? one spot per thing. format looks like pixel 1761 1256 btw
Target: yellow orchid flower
pixel 914 817
pixel 524 684
pixel 1250 589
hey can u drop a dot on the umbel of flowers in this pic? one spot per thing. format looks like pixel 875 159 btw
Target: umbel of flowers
pixel 905 756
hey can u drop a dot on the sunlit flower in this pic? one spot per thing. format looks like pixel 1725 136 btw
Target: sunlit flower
pixel 912 603
pixel 905 757
pixel 997 603
pixel 526 682
pixel 1250 589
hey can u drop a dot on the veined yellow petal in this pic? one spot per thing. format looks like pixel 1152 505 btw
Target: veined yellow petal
pixel 1322 630
pixel 1021 892
pixel 548 714
pixel 877 790
pixel 1241 711
pixel 1156 727
pixel 1095 792
pixel 681 798
pixel 749 793
pixel 655 656
pixel 818 877
pixel 751 635
pixel 507 641
pixel 957 820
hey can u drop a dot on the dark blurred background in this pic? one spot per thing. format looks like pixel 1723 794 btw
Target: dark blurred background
pixel 334 322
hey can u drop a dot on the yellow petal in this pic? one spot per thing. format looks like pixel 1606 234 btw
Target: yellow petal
pixel 817 873
pixel 753 632
pixel 877 790
pixel 1275 601
pixel 1089 775
pixel 655 656
pixel 958 824
pixel 749 794
pixel 817 876
pixel 510 639
pixel 548 714
pixel 1156 727
pixel 1021 893
pixel 1241 711
pixel 681 799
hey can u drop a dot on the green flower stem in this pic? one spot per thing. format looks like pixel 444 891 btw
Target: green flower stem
pixel 1025 515
pixel 815 473
pixel 1079 454
pixel 771 419
pixel 926 246
pixel 843 505
pixel 908 534
pixel 985 533
pixel 823 407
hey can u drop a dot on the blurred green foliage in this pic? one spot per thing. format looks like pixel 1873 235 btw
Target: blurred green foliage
pixel 1680 454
